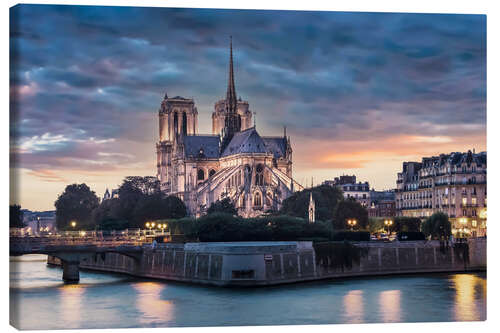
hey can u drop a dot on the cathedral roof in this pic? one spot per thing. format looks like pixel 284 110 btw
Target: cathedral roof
pixel 276 145
pixel 204 146
pixel 247 141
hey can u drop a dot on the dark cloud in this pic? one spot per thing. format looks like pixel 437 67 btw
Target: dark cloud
pixel 100 72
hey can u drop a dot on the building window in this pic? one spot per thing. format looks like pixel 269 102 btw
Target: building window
pixel 464 201
pixel 257 199
pixel 474 200
pixel 259 175
pixel 184 123
pixel 474 223
pixel 211 173
pixel 201 174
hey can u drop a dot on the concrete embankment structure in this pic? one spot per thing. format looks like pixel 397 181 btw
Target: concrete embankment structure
pixel 268 263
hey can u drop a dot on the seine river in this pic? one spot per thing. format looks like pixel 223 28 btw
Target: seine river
pixel 39 300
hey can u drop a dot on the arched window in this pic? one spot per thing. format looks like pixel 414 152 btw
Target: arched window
pixel 259 175
pixel 201 174
pixel 176 123
pixel 211 173
pixel 184 123
pixel 257 199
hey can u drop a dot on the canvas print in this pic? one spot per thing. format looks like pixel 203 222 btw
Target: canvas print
pixel 252 167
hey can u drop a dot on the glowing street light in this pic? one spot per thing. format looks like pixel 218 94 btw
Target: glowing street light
pixel 388 223
pixel 73 224
pixel 352 223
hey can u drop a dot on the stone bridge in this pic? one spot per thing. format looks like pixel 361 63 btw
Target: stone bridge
pixel 71 252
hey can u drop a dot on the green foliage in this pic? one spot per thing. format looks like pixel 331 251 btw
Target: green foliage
pixel 220 227
pixel 76 203
pixel 222 206
pixel 354 236
pixel 157 206
pixel 186 226
pixel 375 224
pixel 15 216
pixel 437 226
pixel 338 255
pixel 139 200
pixel 406 224
pixel 325 197
pixel 350 209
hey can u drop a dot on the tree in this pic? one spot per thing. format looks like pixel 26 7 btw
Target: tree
pixel 437 226
pixel 131 191
pixel 375 224
pixel 157 206
pixel 15 216
pixel 76 203
pixel 325 197
pixel 106 216
pixel 222 206
pixel 350 209
pixel 407 224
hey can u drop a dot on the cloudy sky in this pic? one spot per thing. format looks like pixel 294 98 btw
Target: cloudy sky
pixel 359 92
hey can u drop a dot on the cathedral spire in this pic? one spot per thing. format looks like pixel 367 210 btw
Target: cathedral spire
pixel 231 100
pixel 232 121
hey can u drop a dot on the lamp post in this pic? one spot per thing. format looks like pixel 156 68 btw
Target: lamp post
pixel 352 223
pixel 388 223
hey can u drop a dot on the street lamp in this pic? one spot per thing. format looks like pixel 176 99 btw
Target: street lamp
pixel 73 224
pixel 388 223
pixel 352 223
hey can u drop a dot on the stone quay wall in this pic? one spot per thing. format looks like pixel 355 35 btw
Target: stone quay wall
pixel 269 263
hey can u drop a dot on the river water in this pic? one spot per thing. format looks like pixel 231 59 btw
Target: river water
pixel 39 300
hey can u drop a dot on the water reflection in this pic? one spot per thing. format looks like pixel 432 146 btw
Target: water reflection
pixel 468 289
pixel 149 302
pixel 353 306
pixel 390 308
pixel 71 303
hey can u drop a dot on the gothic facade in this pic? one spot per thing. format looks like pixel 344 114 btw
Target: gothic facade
pixel 235 161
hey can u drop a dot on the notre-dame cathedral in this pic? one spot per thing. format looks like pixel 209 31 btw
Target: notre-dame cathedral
pixel 234 162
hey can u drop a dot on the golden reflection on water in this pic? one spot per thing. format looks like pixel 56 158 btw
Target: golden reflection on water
pixel 353 306
pixel 390 305
pixel 71 303
pixel 468 288
pixel 148 301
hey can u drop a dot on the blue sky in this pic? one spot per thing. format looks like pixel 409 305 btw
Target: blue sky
pixel 358 92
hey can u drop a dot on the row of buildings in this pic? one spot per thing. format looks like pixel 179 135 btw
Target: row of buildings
pixel 453 183
pixel 378 203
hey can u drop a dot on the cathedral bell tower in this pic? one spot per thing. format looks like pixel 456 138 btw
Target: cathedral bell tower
pixel 232 122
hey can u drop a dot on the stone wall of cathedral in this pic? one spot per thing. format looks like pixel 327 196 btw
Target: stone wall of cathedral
pixel 219 116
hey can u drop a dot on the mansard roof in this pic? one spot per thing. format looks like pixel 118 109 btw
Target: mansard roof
pixel 201 146
pixel 247 141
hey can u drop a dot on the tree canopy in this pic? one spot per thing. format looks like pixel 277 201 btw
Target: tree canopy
pixel 407 224
pixel 437 226
pixel 325 197
pixel 347 210
pixel 222 206
pixel 139 200
pixel 15 216
pixel 76 203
